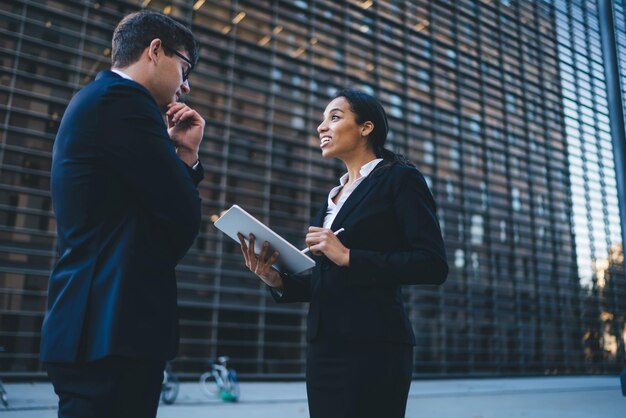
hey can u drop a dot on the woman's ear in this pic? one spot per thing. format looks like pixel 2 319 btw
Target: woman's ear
pixel 367 128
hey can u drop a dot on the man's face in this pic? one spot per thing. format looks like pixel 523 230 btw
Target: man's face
pixel 171 83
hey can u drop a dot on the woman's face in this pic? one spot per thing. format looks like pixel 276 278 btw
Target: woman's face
pixel 340 135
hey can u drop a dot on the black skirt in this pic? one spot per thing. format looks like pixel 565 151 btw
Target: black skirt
pixel 358 379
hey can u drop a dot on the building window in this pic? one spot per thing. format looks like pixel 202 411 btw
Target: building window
pixel 477 230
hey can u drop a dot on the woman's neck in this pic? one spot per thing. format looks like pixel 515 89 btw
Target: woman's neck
pixel 354 164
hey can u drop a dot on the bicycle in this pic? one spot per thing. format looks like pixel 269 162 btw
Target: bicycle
pixel 3 395
pixel 170 385
pixel 3 392
pixel 220 381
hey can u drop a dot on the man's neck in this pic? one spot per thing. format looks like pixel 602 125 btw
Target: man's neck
pixel 121 73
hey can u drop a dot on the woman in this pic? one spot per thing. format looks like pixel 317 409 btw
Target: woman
pixel 360 352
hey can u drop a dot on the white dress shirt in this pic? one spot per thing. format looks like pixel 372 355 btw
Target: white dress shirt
pixel 122 74
pixel 333 209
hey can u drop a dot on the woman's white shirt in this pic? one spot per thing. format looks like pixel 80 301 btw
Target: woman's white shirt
pixel 333 209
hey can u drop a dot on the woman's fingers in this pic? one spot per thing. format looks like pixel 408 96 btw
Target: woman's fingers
pixel 244 248
pixel 251 254
pixel 318 235
pixel 260 264
pixel 263 254
pixel 273 258
pixel 311 240
pixel 265 261
pixel 322 241
pixel 260 261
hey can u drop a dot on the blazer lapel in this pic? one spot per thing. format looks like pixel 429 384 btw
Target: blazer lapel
pixel 318 220
pixel 357 195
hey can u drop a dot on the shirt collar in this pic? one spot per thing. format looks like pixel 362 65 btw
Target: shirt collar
pixel 365 170
pixel 122 74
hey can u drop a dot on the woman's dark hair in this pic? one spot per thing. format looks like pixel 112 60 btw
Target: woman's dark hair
pixel 135 32
pixel 368 108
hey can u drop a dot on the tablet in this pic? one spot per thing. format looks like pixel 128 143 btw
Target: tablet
pixel 290 260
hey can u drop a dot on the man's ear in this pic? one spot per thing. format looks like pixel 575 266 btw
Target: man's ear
pixel 155 50
pixel 367 128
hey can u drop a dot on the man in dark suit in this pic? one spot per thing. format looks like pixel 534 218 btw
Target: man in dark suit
pixel 124 174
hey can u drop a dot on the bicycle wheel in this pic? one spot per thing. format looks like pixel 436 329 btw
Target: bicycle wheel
pixel 3 396
pixel 208 385
pixel 169 390
pixel 229 392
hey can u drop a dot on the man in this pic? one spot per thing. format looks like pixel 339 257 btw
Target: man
pixel 124 194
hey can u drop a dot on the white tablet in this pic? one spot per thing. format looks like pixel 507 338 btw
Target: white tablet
pixel 290 260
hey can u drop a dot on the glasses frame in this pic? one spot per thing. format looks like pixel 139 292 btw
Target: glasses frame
pixel 184 58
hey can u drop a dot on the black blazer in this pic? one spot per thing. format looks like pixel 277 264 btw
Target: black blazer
pixel 127 210
pixel 394 239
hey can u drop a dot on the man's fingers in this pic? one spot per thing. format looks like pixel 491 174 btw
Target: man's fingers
pixel 173 109
pixel 182 114
pixel 187 114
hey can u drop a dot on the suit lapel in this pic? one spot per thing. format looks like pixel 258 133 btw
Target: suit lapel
pixel 318 220
pixel 358 195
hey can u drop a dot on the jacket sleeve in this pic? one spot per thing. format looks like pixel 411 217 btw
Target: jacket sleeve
pixel 296 288
pixel 137 148
pixel 424 259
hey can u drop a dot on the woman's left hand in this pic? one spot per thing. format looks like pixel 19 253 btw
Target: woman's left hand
pixel 324 241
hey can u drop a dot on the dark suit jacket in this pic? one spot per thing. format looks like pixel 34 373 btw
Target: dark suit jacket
pixel 127 210
pixel 394 239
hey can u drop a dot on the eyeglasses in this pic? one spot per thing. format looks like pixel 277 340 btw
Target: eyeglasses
pixel 184 58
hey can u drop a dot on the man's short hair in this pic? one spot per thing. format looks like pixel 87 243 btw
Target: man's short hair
pixel 135 32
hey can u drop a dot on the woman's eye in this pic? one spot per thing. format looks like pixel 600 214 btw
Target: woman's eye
pixel 334 118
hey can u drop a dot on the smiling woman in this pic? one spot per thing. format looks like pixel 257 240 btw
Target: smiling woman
pixel 360 352
pixel 340 135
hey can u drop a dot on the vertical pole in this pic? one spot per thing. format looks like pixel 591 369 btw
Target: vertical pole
pixel 615 101
pixel 616 114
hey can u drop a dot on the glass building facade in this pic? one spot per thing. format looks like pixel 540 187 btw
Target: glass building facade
pixel 595 214
pixel 501 104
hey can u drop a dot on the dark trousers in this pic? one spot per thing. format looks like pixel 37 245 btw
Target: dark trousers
pixel 358 379
pixel 114 387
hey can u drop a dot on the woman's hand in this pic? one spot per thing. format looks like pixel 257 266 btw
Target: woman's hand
pixel 261 264
pixel 324 241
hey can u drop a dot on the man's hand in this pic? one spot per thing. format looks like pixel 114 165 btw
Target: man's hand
pixel 186 129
